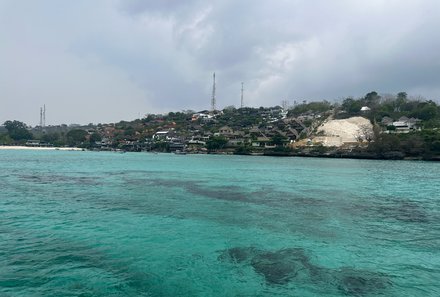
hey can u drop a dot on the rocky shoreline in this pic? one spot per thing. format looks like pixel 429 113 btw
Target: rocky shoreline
pixel 391 155
pixel 336 154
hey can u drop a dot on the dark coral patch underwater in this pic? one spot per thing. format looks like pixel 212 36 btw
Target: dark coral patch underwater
pixel 293 265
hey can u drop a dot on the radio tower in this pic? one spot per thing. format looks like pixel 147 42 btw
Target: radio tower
pixel 213 95
pixel 242 105
pixel 44 115
pixel 41 117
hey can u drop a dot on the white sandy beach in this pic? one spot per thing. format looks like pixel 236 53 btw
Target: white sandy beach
pixel 13 147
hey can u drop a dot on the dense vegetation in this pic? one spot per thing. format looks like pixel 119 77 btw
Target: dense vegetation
pixel 17 131
pixel 312 107
pixel 394 107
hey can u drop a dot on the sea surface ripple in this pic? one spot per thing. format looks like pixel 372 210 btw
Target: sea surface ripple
pixel 141 224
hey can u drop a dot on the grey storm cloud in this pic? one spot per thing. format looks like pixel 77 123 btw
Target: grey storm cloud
pixel 111 60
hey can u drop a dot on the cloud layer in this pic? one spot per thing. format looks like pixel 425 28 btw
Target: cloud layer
pixel 111 60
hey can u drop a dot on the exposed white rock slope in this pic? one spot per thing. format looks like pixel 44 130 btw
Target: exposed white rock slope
pixel 338 132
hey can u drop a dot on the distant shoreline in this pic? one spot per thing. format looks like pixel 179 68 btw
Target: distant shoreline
pixel 22 147
pixel 393 155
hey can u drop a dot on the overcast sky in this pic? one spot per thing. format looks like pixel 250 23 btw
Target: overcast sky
pixel 109 60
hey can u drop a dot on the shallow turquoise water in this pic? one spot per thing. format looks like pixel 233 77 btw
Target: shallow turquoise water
pixel 138 224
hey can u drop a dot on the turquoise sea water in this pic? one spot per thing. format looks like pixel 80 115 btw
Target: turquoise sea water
pixel 139 224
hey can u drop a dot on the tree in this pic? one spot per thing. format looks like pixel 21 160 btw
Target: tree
pixel 278 140
pixel 76 137
pixel 402 96
pixel 372 99
pixel 216 142
pixel 5 139
pixel 366 133
pixel 383 142
pixel 51 137
pixel 371 96
pixel 129 131
pixel 95 137
pixel 230 108
pixel 351 106
pixel 243 150
pixel 17 130
pixel 313 107
pixel 425 111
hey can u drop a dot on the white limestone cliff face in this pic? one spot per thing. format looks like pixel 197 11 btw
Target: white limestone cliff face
pixel 339 132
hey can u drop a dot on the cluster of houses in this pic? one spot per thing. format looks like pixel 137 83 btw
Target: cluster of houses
pixel 402 125
pixel 193 134
pixel 201 127
pixel 277 130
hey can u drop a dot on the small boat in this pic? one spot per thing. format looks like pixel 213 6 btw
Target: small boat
pixel 179 152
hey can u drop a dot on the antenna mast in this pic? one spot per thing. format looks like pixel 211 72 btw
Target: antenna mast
pixel 213 94
pixel 241 105
pixel 44 115
pixel 41 117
